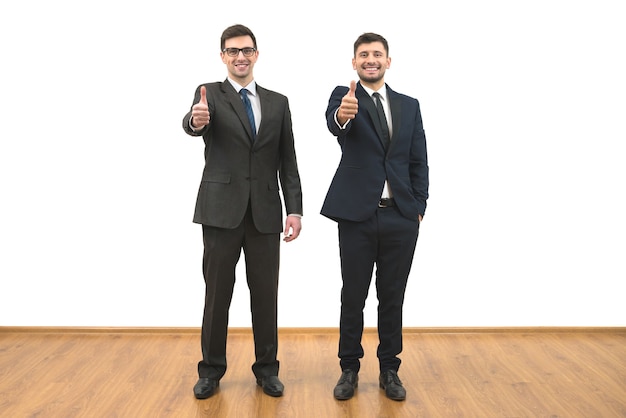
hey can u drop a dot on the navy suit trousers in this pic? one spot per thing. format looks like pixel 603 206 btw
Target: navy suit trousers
pixel 386 241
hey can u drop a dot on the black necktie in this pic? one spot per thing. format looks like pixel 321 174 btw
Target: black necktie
pixel 248 106
pixel 381 116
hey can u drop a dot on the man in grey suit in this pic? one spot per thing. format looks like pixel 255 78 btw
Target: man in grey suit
pixel 249 151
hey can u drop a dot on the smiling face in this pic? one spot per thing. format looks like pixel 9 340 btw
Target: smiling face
pixel 240 67
pixel 370 62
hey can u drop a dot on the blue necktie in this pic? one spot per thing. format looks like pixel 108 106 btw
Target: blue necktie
pixel 248 106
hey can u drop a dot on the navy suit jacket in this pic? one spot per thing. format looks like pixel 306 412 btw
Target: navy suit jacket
pixel 365 164
pixel 239 172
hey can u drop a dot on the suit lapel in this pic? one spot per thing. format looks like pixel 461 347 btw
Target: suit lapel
pixel 266 108
pixel 395 103
pixel 236 103
pixel 366 101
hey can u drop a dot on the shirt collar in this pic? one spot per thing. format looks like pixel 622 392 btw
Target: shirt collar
pixel 382 91
pixel 251 86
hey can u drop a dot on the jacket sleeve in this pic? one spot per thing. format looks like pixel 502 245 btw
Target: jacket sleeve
pixel 288 170
pixel 419 163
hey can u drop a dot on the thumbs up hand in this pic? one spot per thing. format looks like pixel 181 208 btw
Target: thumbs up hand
pixel 349 105
pixel 200 115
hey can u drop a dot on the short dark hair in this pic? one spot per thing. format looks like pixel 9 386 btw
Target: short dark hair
pixel 235 31
pixel 368 38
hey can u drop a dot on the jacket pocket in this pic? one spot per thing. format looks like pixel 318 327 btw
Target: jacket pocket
pixel 216 178
pixel 272 185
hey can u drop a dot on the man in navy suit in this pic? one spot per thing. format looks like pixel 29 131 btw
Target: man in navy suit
pixel 378 198
pixel 249 151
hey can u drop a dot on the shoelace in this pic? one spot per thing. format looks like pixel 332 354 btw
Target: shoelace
pixel 347 378
pixel 394 378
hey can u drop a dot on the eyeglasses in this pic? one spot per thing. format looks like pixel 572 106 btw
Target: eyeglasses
pixel 233 52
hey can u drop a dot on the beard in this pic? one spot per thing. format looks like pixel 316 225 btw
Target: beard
pixel 371 78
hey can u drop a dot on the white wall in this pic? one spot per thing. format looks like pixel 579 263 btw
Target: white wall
pixel 523 106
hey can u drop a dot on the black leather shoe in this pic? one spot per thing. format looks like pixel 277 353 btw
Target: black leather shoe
pixel 390 381
pixel 271 385
pixel 346 384
pixel 205 387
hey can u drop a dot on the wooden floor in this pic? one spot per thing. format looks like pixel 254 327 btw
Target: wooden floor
pixel 454 373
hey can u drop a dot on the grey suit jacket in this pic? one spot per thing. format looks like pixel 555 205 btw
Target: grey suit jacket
pixel 238 172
